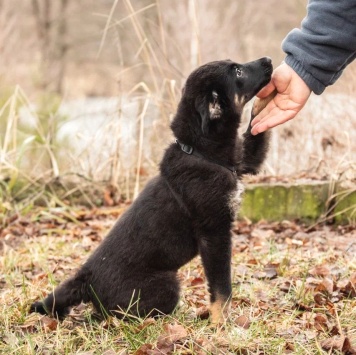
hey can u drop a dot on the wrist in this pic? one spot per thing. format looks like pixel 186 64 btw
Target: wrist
pixel 310 81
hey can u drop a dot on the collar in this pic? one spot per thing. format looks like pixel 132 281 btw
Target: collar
pixel 188 149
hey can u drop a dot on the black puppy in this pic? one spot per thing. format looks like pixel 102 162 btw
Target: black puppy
pixel 186 210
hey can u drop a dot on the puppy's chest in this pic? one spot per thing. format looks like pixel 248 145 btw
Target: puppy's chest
pixel 235 197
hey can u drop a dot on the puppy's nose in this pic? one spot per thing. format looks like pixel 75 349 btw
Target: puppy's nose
pixel 267 65
pixel 266 61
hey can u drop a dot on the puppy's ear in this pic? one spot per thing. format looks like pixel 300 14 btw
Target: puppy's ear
pixel 215 107
pixel 209 109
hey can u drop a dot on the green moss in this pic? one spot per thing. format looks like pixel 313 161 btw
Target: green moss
pixel 264 202
pixel 307 202
pixel 345 209
pixel 284 201
pixel 246 208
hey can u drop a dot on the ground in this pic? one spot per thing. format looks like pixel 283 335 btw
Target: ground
pixel 294 291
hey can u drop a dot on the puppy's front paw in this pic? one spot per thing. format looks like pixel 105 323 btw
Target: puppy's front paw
pixel 219 311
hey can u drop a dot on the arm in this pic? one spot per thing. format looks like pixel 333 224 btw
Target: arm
pixel 325 44
pixel 316 56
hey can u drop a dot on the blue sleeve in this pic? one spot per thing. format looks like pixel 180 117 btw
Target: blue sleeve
pixel 325 44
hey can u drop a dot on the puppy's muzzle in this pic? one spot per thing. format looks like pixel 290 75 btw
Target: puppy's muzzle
pixel 266 63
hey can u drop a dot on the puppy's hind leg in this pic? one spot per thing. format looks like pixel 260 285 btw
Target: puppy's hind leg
pixel 159 294
pixel 58 303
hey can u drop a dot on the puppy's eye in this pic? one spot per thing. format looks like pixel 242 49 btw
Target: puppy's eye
pixel 238 72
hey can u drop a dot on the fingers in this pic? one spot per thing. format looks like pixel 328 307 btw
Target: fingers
pixel 266 90
pixel 266 111
pixel 292 95
pixel 271 119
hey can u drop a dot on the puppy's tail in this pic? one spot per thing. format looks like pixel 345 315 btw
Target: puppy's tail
pixel 255 147
pixel 70 293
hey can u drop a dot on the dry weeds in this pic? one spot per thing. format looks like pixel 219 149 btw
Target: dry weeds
pixel 294 291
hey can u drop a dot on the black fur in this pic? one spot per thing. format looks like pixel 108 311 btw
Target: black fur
pixel 186 210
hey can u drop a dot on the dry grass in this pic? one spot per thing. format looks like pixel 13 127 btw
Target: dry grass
pixel 37 160
pixel 289 292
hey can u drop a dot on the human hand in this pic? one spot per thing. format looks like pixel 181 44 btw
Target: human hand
pixel 292 95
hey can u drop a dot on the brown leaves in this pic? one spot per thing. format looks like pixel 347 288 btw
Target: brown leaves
pixel 294 284
pixel 315 290
pixel 172 333
pixel 326 288
pixel 173 336
pixel 270 271
pixel 79 230
pixel 144 349
pixel 243 322
pixel 338 343
pixel 35 322
pixel 196 296
pixel 146 323
pixel 197 281
pixel 320 322
pixel 349 288
pixel 320 270
pixel 49 324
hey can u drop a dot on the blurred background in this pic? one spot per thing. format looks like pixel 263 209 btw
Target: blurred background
pixel 88 90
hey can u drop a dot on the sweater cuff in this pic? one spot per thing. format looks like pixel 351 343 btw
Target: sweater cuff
pixel 314 84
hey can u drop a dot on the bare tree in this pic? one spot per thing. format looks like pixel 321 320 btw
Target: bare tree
pixel 52 34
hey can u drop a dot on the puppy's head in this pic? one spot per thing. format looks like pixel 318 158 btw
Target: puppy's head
pixel 219 90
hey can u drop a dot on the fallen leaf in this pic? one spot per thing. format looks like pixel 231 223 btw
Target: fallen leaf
pixel 313 282
pixel 262 234
pixel 320 270
pixel 320 322
pixel 339 343
pixel 49 323
pixel 310 334
pixel 144 349
pixel 271 271
pixel 197 281
pixel 146 323
pixel 320 299
pixel 334 330
pixel 327 285
pixel 244 301
pixel 263 305
pixel 259 275
pixel 243 322
pixel 262 295
pixel 267 273
pixel 241 270
pixel 31 323
pixel 11 339
pixel 41 276
pixel 252 261
pixel 349 287
pixel 172 334
pixel 285 285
